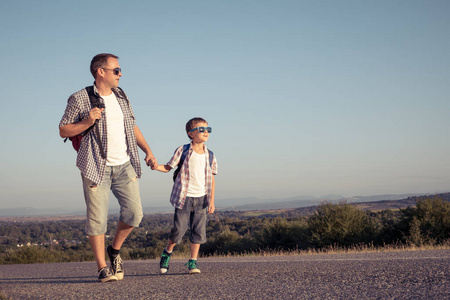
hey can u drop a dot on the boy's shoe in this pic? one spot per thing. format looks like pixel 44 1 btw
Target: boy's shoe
pixel 116 263
pixel 193 266
pixel 164 262
pixel 105 275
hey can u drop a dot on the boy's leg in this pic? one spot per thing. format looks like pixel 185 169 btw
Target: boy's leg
pixel 180 225
pixel 165 257
pixel 198 232
pixel 198 221
pixel 170 245
pixel 194 250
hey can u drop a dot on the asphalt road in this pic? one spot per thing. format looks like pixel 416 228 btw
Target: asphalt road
pixel 389 275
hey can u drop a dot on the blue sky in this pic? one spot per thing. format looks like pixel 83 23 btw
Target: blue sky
pixel 304 97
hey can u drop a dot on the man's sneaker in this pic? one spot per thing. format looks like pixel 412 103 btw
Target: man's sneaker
pixel 193 266
pixel 105 275
pixel 164 262
pixel 116 263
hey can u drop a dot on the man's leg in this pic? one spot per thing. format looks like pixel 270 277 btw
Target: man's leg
pixel 125 186
pixel 123 230
pixel 97 200
pixel 98 247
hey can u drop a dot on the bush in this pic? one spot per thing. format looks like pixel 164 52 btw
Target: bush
pixel 341 224
pixel 281 234
pixel 428 223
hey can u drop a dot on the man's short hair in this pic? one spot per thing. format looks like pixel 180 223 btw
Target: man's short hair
pixel 191 124
pixel 100 61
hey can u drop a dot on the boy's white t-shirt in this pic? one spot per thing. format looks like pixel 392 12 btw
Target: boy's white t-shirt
pixel 197 175
pixel 117 147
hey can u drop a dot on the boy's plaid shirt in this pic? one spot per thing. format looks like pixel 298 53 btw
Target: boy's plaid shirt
pixel 89 159
pixel 180 186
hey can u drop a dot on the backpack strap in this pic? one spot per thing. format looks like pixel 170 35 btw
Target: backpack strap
pixel 95 102
pixel 122 93
pixel 180 163
pixel 183 157
pixel 211 157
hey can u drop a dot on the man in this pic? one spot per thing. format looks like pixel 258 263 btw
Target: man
pixel 108 159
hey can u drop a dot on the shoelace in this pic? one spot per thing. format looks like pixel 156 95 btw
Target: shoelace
pixel 165 260
pixel 117 263
pixel 192 264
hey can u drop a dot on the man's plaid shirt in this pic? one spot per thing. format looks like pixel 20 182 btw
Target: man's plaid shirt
pixel 89 159
pixel 180 186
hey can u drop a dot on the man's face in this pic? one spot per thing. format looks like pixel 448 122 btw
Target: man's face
pixel 109 78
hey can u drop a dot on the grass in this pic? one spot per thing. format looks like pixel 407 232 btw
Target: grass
pixel 257 213
pixel 361 248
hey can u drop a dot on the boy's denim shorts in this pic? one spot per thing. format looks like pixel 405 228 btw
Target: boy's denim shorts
pixel 193 213
pixel 123 182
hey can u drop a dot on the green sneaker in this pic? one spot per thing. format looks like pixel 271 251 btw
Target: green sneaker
pixel 193 266
pixel 164 262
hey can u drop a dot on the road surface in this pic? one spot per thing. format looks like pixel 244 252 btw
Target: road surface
pixel 387 275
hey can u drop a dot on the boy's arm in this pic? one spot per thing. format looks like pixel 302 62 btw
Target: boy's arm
pixel 163 168
pixel 212 207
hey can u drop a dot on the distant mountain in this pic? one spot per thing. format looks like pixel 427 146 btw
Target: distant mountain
pixel 303 201
pixel 242 204
pixel 31 211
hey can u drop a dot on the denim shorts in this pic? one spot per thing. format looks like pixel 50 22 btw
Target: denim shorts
pixel 123 182
pixel 193 213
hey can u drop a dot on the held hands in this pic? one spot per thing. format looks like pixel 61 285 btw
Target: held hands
pixel 152 162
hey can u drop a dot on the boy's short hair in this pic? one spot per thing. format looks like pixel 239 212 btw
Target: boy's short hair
pixel 100 61
pixel 191 124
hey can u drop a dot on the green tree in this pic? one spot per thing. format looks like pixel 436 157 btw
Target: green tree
pixel 281 234
pixel 428 222
pixel 342 224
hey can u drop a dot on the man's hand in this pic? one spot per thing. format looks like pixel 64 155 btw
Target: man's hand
pixel 151 161
pixel 95 114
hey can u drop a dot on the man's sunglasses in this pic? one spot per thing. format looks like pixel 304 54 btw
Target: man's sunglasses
pixel 116 71
pixel 202 129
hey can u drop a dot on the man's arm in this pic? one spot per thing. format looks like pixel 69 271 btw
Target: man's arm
pixel 150 159
pixel 71 130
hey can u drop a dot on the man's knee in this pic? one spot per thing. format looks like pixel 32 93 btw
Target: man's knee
pixel 131 217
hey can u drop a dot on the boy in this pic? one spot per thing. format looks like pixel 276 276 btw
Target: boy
pixel 192 193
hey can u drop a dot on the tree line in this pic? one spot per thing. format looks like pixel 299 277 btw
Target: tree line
pixel 234 233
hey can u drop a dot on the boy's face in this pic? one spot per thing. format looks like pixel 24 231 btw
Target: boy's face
pixel 199 137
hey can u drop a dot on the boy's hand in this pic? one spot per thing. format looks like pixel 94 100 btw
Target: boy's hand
pixel 211 208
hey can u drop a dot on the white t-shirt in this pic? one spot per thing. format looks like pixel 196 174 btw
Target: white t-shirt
pixel 197 175
pixel 117 146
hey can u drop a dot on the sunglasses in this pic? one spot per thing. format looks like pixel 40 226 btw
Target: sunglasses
pixel 202 129
pixel 116 71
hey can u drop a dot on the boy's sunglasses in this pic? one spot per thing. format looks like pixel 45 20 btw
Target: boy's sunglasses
pixel 202 129
pixel 116 71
